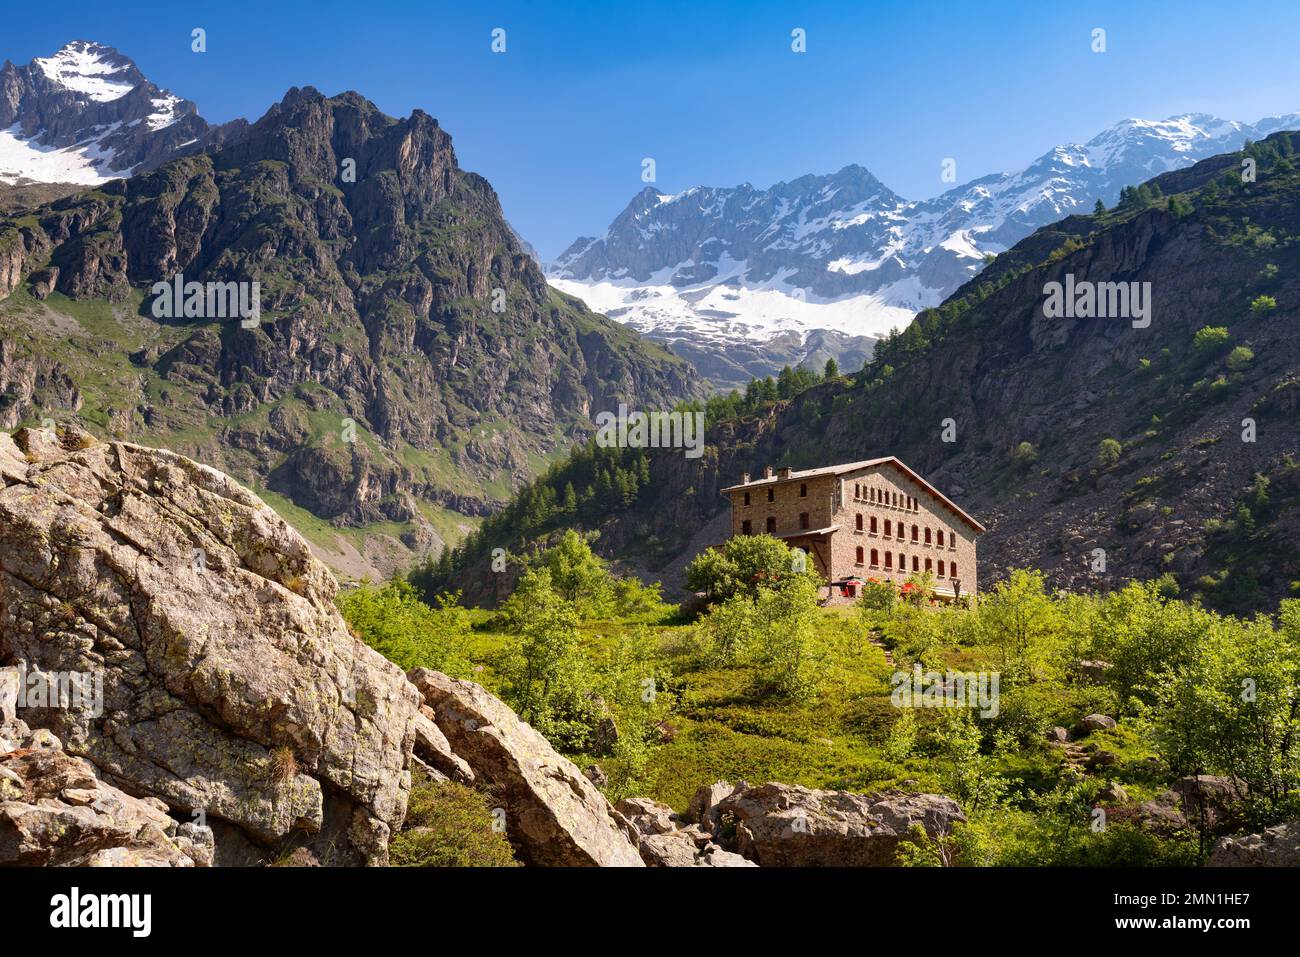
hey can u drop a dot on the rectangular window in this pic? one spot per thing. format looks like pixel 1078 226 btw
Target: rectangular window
pixel 874 528
pixel 747 527
pixel 859 521
pixel 803 519
pixel 771 524
pixel 940 536
pixel 859 555
pixel 746 498
pixel 771 495
pixel 889 528
pixel 803 489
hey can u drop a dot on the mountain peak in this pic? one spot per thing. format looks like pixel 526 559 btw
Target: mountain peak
pixel 98 72
pixel 734 268
pixel 86 114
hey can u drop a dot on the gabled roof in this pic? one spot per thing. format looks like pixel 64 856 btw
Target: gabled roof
pixel 848 467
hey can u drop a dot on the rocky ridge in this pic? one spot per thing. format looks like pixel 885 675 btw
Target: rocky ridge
pixel 410 365
pixel 838 260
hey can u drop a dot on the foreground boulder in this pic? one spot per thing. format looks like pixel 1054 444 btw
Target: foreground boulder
pixel 225 681
pixel 1276 847
pixel 1096 722
pixel 786 825
pixel 554 815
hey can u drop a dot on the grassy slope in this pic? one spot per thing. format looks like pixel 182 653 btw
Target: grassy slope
pixel 726 733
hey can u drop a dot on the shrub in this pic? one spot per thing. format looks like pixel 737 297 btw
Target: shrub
pixel 579 575
pixel 877 596
pixel 902 736
pixel 742 565
pixel 392 620
pixel 1210 338
pixel 1263 303
pixel 547 676
pixel 1239 358
pixel 449 825
pixel 1108 452
pixel 777 632
pixel 1025 455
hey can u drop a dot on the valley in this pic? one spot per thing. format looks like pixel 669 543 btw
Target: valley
pixel 795 526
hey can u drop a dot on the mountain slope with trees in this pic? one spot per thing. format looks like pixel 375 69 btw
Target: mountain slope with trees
pixel 1069 435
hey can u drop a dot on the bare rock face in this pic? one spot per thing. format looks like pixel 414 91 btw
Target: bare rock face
pixel 554 815
pixel 1276 847
pixel 227 682
pixel 56 810
pixel 786 825
pixel 703 809
pixel 648 816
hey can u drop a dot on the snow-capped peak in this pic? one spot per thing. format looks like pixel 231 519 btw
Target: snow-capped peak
pixel 86 115
pixel 843 252
pixel 96 71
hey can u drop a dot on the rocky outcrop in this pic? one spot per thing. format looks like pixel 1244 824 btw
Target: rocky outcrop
pixel 1277 846
pixel 55 809
pixel 554 815
pixel 787 825
pixel 669 841
pixel 225 682
pixel 1213 802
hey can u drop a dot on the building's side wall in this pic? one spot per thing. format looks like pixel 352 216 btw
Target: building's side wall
pixel 787 506
pixel 959 538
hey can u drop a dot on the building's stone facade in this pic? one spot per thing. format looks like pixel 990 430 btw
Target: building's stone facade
pixel 861 520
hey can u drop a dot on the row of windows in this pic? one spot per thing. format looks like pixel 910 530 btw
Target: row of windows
pixel 771 493
pixel 747 527
pixel 883 496
pixel 932 537
pixel 946 569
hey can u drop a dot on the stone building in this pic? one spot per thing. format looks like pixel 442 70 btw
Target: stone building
pixel 871 519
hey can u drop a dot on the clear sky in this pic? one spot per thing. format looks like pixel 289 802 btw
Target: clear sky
pixel 712 91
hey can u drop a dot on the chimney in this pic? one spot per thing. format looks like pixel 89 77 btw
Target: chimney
pixel 767 471
pixel 744 478
pixel 786 472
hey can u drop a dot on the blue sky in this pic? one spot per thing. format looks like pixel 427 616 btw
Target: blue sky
pixel 560 122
